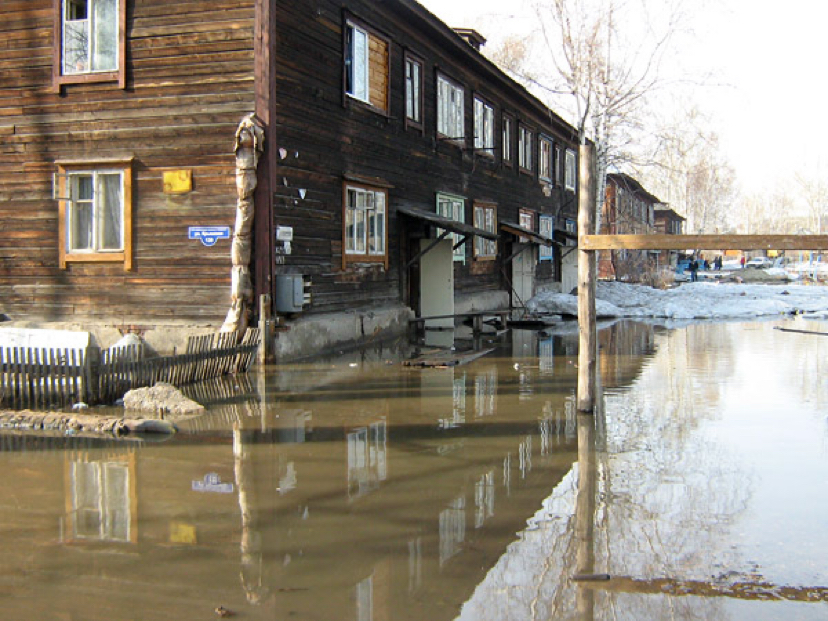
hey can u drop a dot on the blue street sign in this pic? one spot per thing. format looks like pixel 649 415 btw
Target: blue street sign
pixel 209 235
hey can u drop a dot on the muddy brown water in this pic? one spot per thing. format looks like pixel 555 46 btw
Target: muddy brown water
pixel 359 489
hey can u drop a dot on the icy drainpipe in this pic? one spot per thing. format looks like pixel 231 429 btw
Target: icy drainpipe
pixel 249 147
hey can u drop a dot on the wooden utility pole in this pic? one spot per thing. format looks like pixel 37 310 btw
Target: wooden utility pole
pixel 587 275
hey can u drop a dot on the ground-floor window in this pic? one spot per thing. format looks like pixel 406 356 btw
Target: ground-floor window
pixel 365 228
pixel 95 213
pixel 485 217
pixel 546 227
pixel 453 208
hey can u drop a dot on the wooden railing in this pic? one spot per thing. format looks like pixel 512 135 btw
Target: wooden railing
pixel 40 378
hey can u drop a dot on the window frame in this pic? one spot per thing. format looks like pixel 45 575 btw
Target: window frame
pixel 350 22
pixel 522 214
pixel 409 57
pixel 66 169
pixel 460 139
pixel 546 167
pixel 484 148
pixel 60 79
pixel 484 249
pixel 507 140
pixel 546 253
pixel 559 168
pixel 570 170
pixel 363 257
pixel 525 151
pixel 458 253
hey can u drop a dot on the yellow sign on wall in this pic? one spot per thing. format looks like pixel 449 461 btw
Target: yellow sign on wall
pixel 178 181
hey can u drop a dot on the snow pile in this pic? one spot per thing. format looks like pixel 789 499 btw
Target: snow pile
pixel 699 300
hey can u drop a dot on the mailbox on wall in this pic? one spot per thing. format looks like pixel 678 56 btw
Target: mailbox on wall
pixel 292 293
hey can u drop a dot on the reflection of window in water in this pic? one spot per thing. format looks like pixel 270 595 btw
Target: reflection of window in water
pixel 571 430
pixel 452 528
pixel 546 355
pixel 100 501
pixel 552 426
pixel 367 464
pixel 415 564
pixel 365 599
pixel 287 475
pixel 485 388
pixel 525 456
pixel 507 472
pixel 484 498
pixel 458 404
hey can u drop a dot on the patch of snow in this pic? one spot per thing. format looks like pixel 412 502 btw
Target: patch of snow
pixel 700 300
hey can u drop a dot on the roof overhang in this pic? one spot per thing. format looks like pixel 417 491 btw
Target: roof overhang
pixel 531 236
pixel 447 224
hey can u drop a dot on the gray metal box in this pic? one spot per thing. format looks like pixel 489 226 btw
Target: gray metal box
pixel 290 293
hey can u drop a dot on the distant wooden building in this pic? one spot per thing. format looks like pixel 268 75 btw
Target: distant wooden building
pixel 668 222
pixel 628 209
pixel 385 129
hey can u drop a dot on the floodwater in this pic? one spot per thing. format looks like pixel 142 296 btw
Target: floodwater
pixel 359 489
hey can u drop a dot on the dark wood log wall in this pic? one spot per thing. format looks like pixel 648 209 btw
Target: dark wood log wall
pixel 189 81
pixel 325 135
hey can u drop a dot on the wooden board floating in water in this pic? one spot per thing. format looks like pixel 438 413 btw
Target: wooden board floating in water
pixel 446 358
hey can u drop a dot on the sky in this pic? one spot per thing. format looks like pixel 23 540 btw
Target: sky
pixel 764 92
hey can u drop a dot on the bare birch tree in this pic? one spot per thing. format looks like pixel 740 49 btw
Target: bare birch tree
pixel 813 190
pixel 605 58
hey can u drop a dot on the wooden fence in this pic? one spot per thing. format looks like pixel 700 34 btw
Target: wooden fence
pixel 46 378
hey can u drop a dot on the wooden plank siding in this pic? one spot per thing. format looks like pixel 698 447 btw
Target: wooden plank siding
pixel 325 134
pixel 189 80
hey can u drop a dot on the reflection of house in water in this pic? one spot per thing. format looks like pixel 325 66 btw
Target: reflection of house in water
pixel 623 352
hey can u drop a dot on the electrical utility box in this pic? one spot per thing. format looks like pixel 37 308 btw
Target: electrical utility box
pixel 292 293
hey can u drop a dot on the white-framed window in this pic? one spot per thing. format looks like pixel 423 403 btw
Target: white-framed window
pixel 366 66
pixel 569 170
pixel 526 220
pixel 365 224
pixel 485 217
pixel 506 140
pixel 546 228
pixel 450 109
pixel 546 159
pixel 525 148
pixel 454 208
pixel 413 91
pixel 90 36
pixel 95 218
pixel 558 165
pixel 483 127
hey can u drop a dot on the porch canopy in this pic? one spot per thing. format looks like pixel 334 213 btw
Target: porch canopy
pixel 448 225
pixel 529 238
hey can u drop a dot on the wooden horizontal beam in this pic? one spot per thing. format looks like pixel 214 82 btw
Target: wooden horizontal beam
pixel 703 242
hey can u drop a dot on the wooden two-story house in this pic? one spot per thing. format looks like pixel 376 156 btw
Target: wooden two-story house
pixel 628 209
pixel 402 171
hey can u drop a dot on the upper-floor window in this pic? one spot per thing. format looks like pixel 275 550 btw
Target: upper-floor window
pixel 413 91
pixel 546 227
pixel 525 148
pixel 558 165
pixel 365 224
pixel 366 66
pixel 506 144
pixel 545 163
pixel 485 217
pixel 450 109
pixel 95 213
pixel 483 127
pixel 89 37
pixel 453 208
pixel 569 170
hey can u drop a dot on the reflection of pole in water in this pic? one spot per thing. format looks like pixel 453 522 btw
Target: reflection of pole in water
pixel 251 538
pixel 585 515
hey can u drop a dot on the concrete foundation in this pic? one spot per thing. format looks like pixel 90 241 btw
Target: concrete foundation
pixel 313 335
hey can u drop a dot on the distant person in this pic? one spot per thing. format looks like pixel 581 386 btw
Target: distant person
pixel 742 261
pixel 719 263
pixel 694 270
